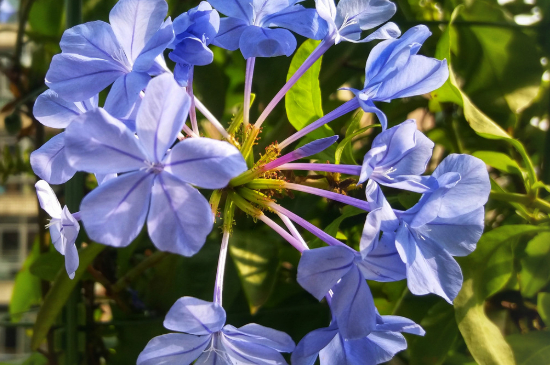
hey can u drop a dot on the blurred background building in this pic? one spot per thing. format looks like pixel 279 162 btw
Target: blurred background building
pixel 18 207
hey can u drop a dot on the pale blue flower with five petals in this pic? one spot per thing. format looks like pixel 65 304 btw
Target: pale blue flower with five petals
pixel 249 26
pixel 209 340
pixel 154 183
pixel 63 226
pixel 96 54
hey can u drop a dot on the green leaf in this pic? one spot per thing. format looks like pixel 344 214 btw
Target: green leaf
pixel 532 348
pixel 441 332
pixel 26 290
pixel 36 359
pixel 451 92
pixel 256 260
pixel 303 101
pixel 499 161
pixel 535 271
pixel 346 142
pixel 59 293
pixel 483 337
pixel 543 306
pixel 48 265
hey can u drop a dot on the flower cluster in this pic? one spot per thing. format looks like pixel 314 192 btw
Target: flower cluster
pixel 149 163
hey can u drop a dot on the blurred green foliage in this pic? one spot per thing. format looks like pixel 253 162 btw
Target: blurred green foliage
pixel 495 106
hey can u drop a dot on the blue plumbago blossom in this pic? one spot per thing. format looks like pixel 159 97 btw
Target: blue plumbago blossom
pixel 153 181
pixel 209 340
pixel 49 161
pixel 446 222
pixel 342 271
pixel 379 346
pixel 63 226
pixel 394 70
pixel 249 22
pixel 194 31
pixel 347 20
pixel 6 11
pixel 397 157
pixel 96 54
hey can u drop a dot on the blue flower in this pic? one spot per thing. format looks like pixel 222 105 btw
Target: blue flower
pixel 63 226
pixel 96 54
pixel 394 70
pixel 446 222
pixel 397 157
pixel 342 272
pixel 153 182
pixel 249 21
pixel 379 346
pixel 209 340
pixel 347 20
pixel 49 161
pixel 194 30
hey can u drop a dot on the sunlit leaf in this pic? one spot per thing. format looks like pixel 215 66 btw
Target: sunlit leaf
pixel 26 289
pixel 483 337
pixel 543 306
pixel 499 161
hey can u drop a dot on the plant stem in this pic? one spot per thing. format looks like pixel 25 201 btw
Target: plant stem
pixel 192 110
pixel 361 204
pixel 336 113
pixel 212 119
pixel 227 226
pixel 248 89
pixel 524 199
pixel 341 169
pixel 280 230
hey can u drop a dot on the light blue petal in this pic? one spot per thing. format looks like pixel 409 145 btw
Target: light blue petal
pixel 161 116
pixel 261 335
pixel 76 78
pixel 383 263
pixel 159 66
pixel 335 354
pixel 181 73
pixel 195 316
pixel 243 352
pixel 205 162
pixel 113 213
pixel 457 235
pixel 387 31
pixel 53 111
pixel 124 94
pixel 471 192
pixel 320 269
pixel 362 15
pixel 103 178
pixel 383 211
pixel 201 22
pixel 378 347
pixel 48 200
pixel 180 217
pixel 135 22
pixel 399 324
pixel 215 354
pixel 369 107
pixel 298 19
pixel 309 347
pixel 421 75
pixel 98 143
pixel 94 40
pixel 262 42
pixel 385 51
pixel 50 163
pixel 193 51
pixel 71 260
pixel 430 269
pixel 154 47
pixel 241 9
pixel 353 306
pixel 230 33
pixel 173 349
